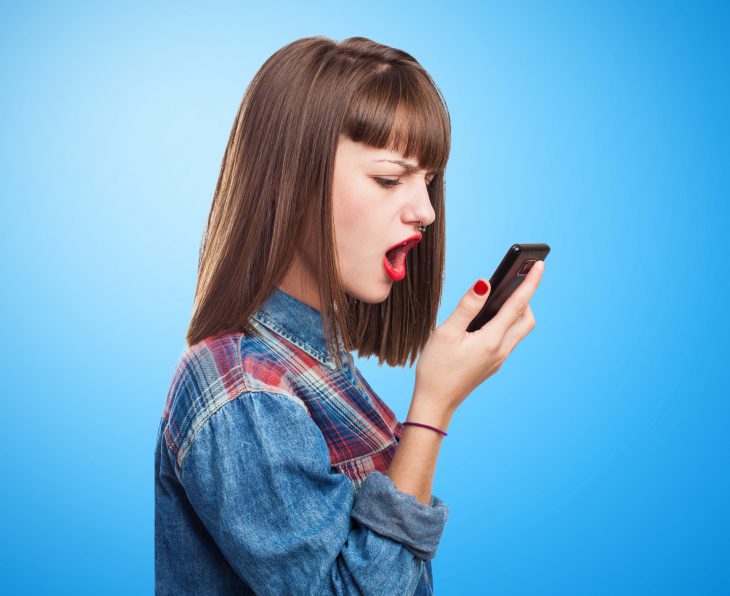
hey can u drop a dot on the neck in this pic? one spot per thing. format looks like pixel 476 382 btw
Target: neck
pixel 301 283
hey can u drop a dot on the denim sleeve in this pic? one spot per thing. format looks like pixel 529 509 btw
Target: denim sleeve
pixel 258 475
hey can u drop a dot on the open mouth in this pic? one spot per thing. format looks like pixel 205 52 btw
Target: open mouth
pixel 395 258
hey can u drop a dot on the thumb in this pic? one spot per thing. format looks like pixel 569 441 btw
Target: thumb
pixel 470 305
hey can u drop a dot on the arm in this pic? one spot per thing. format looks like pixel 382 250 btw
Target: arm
pixel 414 463
pixel 258 475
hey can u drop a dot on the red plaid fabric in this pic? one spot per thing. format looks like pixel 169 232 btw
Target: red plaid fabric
pixel 291 358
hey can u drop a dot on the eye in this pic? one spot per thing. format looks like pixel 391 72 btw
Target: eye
pixel 387 183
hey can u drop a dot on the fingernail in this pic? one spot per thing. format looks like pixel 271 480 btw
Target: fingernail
pixel 480 288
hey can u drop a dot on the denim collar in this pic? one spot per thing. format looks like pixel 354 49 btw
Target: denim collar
pixel 299 323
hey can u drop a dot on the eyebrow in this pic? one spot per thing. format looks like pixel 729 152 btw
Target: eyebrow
pixel 405 164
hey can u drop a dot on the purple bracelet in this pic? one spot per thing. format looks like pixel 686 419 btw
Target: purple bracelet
pixel 438 430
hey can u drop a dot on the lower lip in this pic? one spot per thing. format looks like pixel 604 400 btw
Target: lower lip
pixel 392 273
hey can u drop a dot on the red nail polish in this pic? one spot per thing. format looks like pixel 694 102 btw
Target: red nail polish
pixel 480 288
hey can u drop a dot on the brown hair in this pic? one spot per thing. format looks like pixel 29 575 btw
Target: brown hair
pixel 274 192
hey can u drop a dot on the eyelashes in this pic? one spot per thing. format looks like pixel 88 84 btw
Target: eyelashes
pixel 387 183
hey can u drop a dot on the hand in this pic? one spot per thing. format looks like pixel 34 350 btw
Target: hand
pixel 454 362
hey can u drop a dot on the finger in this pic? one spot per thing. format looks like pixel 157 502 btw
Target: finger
pixel 519 330
pixel 469 306
pixel 518 303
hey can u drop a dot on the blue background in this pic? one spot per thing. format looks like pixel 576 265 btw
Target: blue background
pixel 594 462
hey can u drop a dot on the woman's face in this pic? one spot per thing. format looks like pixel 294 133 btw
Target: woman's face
pixel 377 204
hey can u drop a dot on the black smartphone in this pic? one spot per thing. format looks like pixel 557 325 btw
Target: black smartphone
pixel 511 271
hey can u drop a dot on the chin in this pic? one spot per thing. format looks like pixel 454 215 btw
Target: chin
pixel 374 295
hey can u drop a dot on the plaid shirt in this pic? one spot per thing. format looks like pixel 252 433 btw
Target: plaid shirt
pixel 282 457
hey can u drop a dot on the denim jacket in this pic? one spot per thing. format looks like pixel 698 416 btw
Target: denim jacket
pixel 270 471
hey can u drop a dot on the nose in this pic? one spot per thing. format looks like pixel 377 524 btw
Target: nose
pixel 423 209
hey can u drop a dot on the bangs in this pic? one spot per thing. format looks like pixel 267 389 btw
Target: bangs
pixel 402 110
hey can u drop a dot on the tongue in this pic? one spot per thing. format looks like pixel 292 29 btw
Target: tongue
pixel 396 256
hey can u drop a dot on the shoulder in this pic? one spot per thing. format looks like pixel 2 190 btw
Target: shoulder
pixel 211 374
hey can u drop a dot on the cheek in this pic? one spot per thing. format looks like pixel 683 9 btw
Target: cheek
pixel 356 222
pixel 347 212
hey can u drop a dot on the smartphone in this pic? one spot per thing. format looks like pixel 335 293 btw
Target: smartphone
pixel 511 271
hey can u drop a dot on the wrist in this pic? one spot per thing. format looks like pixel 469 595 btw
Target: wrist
pixel 423 413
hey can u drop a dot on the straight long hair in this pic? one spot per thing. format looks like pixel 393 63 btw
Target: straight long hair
pixel 274 193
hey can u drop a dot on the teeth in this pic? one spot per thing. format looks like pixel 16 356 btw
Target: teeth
pixel 402 245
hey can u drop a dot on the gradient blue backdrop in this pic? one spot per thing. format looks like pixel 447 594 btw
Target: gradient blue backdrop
pixel 594 462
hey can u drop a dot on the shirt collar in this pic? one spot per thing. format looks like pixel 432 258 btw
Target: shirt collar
pixel 299 323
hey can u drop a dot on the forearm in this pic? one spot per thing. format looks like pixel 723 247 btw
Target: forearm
pixel 414 463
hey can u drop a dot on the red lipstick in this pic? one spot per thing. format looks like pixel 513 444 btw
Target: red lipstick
pixel 394 260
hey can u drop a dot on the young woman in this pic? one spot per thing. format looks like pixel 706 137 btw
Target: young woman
pixel 278 469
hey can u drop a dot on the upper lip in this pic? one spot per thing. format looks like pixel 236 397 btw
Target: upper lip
pixel 415 239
